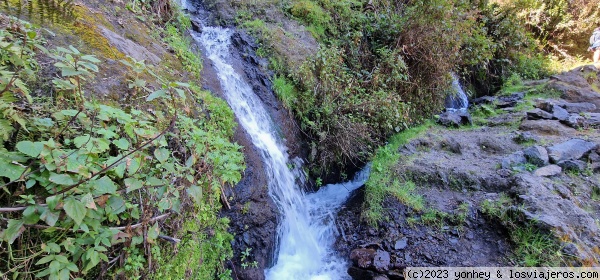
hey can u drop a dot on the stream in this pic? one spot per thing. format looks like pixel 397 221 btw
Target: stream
pixel 307 227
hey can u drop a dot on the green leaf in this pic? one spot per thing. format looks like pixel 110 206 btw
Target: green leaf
pixel 50 217
pixel 54 267
pixel 88 201
pixel 75 209
pixel 132 184
pixel 196 193
pixel 161 154
pixel 133 166
pixel 10 170
pixel 61 179
pixel 122 144
pixel 64 274
pixel 153 233
pixel 72 267
pixel 90 58
pixel 62 259
pixel 68 72
pixel 45 259
pixel 156 94
pixel 13 230
pixel 30 215
pixel 30 148
pixel 103 185
pixel 116 204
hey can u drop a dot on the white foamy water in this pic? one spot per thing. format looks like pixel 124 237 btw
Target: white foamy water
pixel 307 229
pixel 458 99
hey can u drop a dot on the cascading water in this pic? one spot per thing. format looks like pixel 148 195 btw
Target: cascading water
pixel 307 229
pixel 456 100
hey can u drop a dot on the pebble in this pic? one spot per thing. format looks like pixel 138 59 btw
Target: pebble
pixel 401 243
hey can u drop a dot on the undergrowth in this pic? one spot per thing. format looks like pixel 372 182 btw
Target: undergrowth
pixel 87 185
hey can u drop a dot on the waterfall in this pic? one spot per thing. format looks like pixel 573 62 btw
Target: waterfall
pixel 457 99
pixel 307 229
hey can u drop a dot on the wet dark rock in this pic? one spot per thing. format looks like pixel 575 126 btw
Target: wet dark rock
pixel 361 274
pixel 574 165
pixel 455 118
pixel 363 257
pixel 572 149
pixel 548 171
pixel 536 155
pixel 483 100
pixel 538 114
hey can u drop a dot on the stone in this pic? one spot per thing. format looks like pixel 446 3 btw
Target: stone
pixel 545 104
pixel 363 257
pixel 451 145
pixel 128 47
pixel 580 107
pixel 593 119
pixel 524 137
pixel 455 118
pixel 361 274
pixel 381 262
pixel 559 113
pixel 401 243
pixel 537 114
pixel 572 149
pixel 548 171
pixel 536 155
pixel 547 127
pixel 513 159
pixel 574 165
pixel 575 121
pixel 483 100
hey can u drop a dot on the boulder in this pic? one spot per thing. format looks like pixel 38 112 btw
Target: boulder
pixel 361 274
pixel 547 127
pixel 483 100
pixel 593 119
pixel 524 137
pixel 575 121
pixel 537 114
pixel 572 149
pixel 513 159
pixel 381 262
pixel 455 118
pixel 579 107
pixel 574 165
pixel 128 47
pixel 536 155
pixel 363 257
pixel 559 113
pixel 548 171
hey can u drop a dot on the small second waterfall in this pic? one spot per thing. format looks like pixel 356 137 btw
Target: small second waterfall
pixel 307 229
pixel 457 99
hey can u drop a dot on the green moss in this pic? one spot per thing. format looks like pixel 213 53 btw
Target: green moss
pixel 384 182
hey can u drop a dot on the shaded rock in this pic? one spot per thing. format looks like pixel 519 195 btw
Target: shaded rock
pixel 363 257
pixel 574 165
pixel 451 145
pixel 401 243
pixel 524 137
pixel 593 119
pixel 579 107
pixel 536 155
pixel 547 127
pixel 381 277
pixel 575 121
pixel 548 171
pixel 513 159
pixel 546 104
pixel 128 47
pixel 361 274
pixel 196 24
pixel 572 149
pixel 574 86
pixel 455 118
pixel 538 114
pixel 483 100
pixel 381 262
pixel 559 113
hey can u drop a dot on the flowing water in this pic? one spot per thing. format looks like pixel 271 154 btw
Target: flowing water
pixel 457 99
pixel 307 229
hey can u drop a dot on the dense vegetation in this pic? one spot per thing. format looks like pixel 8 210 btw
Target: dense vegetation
pixel 88 183
pixel 384 66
